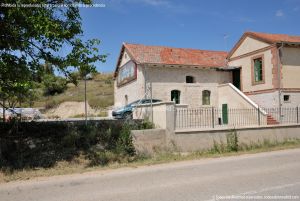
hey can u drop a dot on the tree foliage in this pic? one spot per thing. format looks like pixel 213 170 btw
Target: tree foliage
pixel 53 84
pixel 30 37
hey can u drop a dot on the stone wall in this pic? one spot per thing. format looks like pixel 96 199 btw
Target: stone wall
pixel 200 140
pixel 149 141
pixel 166 79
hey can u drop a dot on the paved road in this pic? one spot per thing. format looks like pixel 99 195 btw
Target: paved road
pixel 274 173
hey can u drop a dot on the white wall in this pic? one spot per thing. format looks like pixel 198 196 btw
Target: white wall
pixel 247 109
pixel 246 72
pixel 291 68
pixel 249 45
pixel 134 89
pixel 267 100
pixel 294 99
pixel 166 79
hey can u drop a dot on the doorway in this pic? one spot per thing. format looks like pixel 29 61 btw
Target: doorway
pixel 236 78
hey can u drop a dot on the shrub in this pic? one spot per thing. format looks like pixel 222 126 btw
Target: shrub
pixel 53 84
pixel 124 143
pixel 98 158
pixel 232 141
pixel 146 124
pixel 42 144
pixel 50 104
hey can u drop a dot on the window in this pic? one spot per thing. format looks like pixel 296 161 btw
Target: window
pixel 286 98
pixel 175 96
pixel 206 97
pixel 258 71
pixel 189 79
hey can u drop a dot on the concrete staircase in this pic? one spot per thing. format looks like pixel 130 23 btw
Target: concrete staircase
pixel 271 120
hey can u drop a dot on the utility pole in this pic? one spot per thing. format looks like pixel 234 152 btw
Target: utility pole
pixel 279 80
pixel 85 100
pixel 151 102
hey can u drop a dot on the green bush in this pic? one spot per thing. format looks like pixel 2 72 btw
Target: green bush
pixel 53 84
pixel 232 141
pixel 218 147
pixel 124 143
pixel 42 144
pixel 146 124
pixel 98 158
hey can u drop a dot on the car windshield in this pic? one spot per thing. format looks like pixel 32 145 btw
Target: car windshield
pixel 143 101
pixel 133 103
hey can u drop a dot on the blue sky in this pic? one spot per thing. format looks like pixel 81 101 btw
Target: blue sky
pixel 209 25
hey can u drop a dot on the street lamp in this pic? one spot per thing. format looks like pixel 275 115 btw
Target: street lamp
pixel 85 100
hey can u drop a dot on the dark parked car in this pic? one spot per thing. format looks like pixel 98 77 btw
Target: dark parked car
pixel 126 111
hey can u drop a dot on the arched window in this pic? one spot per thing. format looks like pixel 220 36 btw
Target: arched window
pixel 189 79
pixel 205 97
pixel 175 96
pixel 126 100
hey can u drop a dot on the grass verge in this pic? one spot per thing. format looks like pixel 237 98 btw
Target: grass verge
pixel 81 164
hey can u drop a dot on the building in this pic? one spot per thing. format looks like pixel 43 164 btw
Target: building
pixel 200 78
pixel 269 68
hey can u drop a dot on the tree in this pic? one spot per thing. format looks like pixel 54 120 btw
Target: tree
pixel 36 35
pixel 54 84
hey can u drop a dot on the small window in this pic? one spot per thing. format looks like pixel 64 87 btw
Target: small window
pixel 189 79
pixel 175 96
pixel 286 98
pixel 258 70
pixel 206 97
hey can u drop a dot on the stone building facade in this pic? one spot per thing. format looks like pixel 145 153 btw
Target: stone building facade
pixel 193 77
pixel 280 56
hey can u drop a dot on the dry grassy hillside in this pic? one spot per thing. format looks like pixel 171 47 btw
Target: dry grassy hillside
pixel 99 93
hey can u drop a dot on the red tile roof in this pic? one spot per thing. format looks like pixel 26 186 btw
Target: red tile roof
pixel 274 38
pixel 265 37
pixel 176 56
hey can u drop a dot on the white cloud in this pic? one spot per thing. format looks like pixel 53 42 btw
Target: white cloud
pixel 279 13
pixel 156 2
pixel 163 4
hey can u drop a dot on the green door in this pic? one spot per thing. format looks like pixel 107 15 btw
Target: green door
pixel 225 113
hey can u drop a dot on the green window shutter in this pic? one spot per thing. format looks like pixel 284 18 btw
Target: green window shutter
pixel 258 70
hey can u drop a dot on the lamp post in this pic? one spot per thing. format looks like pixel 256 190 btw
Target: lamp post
pixel 85 100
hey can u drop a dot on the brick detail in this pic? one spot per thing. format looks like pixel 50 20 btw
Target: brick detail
pixel 275 62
